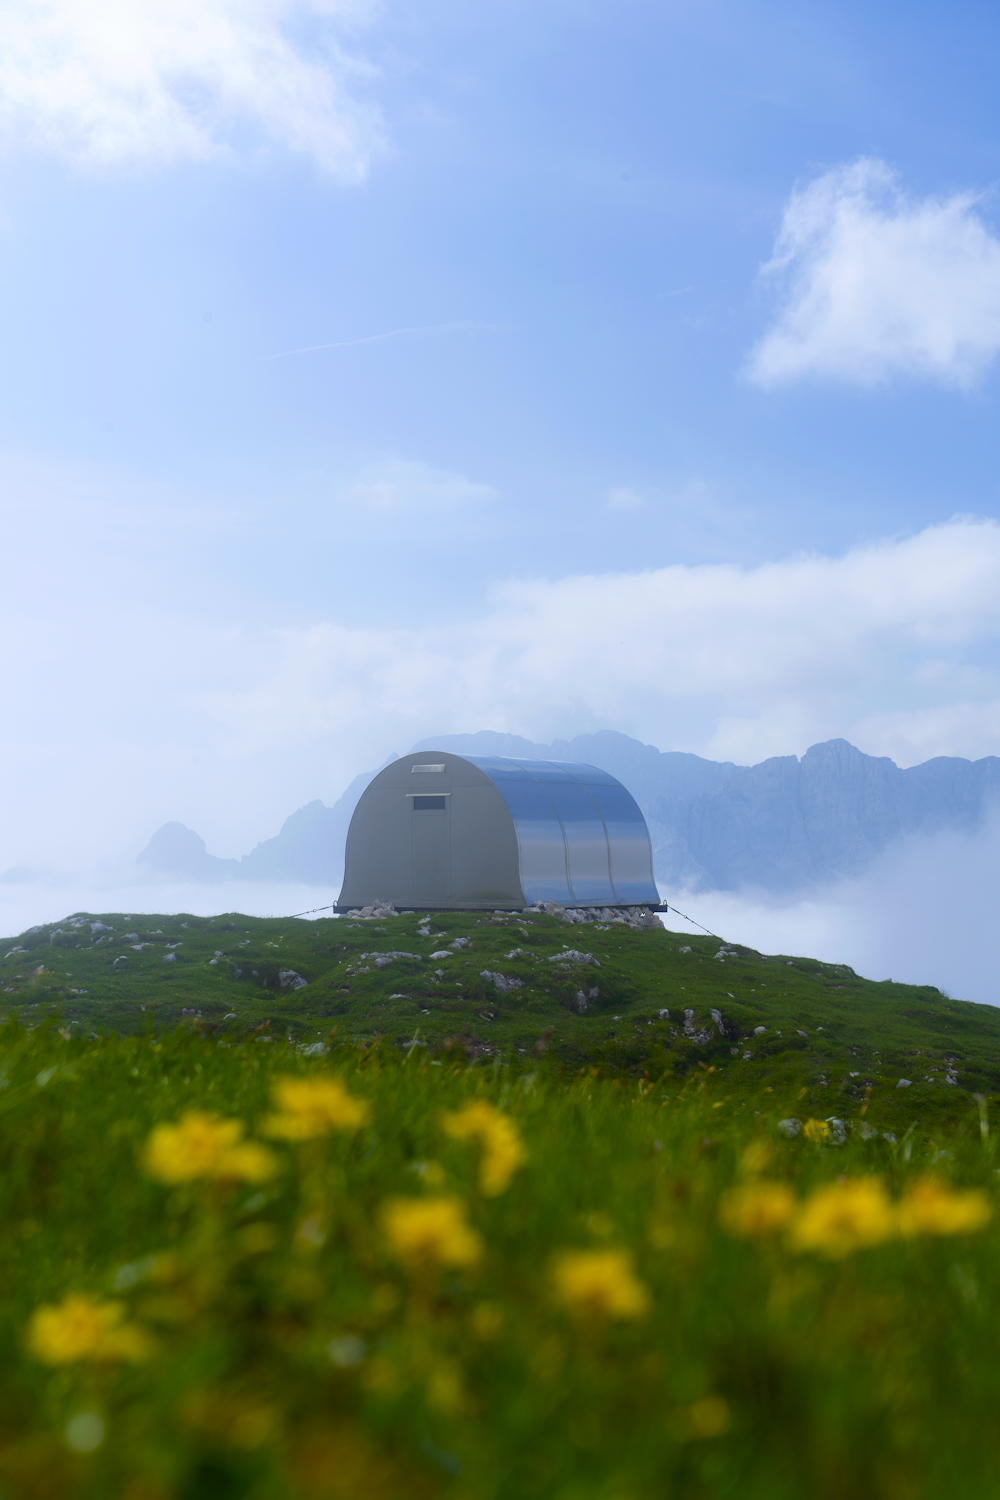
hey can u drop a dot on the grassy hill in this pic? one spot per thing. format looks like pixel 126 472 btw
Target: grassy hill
pixel 651 1001
pixel 280 1223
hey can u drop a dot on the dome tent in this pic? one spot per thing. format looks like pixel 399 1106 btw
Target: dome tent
pixel 469 832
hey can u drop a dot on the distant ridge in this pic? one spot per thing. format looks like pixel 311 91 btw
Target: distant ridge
pixel 782 825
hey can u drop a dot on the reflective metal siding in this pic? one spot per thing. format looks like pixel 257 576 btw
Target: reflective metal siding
pixel 541 844
pixel 629 846
pixel 582 839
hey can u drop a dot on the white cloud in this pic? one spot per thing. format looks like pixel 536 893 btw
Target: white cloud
pixel 405 484
pixel 108 82
pixel 229 728
pixel 878 923
pixel 878 283
pixel 736 663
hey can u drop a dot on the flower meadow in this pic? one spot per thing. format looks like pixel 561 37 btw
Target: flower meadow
pixel 246 1271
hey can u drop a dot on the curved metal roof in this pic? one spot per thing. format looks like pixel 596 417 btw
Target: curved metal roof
pixel 581 836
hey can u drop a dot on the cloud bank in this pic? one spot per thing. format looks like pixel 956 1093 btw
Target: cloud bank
pixel 877 283
pixel 229 728
pixel 735 663
pixel 920 915
pixel 105 83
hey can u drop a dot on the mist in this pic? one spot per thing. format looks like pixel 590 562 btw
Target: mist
pixel 33 903
pixel 924 913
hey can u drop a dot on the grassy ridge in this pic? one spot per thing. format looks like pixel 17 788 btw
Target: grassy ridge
pixel 646 1297
pixel 845 1040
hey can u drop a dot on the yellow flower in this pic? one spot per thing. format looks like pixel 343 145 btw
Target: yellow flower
pixel 430 1232
pixel 816 1130
pixel 205 1145
pixel 82 1327
pixel 599 1284
pixel 503 1149
pixel 756 1157
pixel 707 1418
pixel 313 1106
pixel 757 1208
pixel 844 1216
pixel 930 1207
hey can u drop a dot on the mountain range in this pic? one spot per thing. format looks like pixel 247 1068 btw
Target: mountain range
pixel 784 824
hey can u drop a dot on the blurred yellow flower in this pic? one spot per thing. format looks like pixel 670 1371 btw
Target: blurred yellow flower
pixel 757 1208
pixel 312 1107
pixel 503 1149
pixel 756 1157
pixel 429 1232
pixel 844 1216
pixel 205 1145
pixel 599 1284
pixel 82 1327
pixel 444 1388
pixel 816 1130
pixel 930 1207
pixel 707 1418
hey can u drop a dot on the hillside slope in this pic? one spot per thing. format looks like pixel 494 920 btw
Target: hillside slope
pixel 507 985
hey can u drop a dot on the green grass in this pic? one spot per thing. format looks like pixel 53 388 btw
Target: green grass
pixel 859 1037
pixel 294 1354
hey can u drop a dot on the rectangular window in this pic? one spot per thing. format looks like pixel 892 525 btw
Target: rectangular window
pixel 429 804
pixel 426 768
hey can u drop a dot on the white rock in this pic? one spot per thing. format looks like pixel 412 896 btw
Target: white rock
pixel 790 1128
pixel 503 982
pixel 169 958
pixel 759 1030
pixel 904 1083
pixel 838 1131
pixel 289 980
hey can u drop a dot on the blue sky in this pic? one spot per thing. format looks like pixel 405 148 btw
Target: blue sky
pixel 566 458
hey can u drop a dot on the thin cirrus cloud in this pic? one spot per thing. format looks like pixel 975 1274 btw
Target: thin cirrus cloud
pixel 624 498
pixel 877 283
pixel 109 83
pixel 406 484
